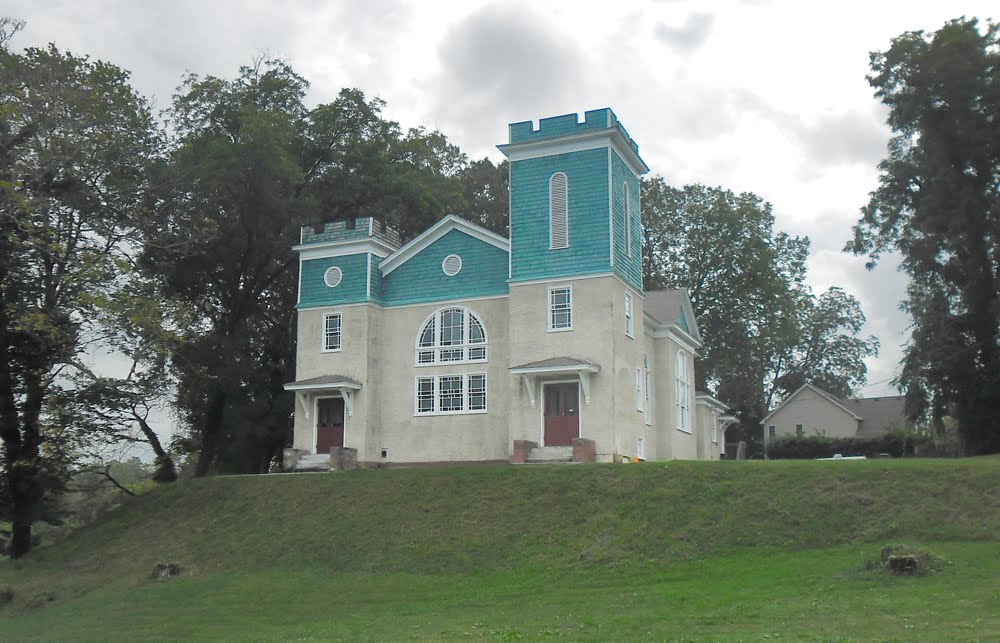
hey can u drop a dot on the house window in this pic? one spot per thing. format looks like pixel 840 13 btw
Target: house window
pixel 715 427
pixel 448 394
pixel 798 430
pixel 628 315
pixel 561 308
pixel 331 332
pixel 558 211
pixel 628 221
pixel 647 392
pixel 451 335
pixel 683 393
pixel 638 390
pixel 640 448
pixel 770 431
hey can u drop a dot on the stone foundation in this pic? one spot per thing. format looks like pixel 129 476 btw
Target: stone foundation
pixel 290 457
pixel 343 459
pixel 521 450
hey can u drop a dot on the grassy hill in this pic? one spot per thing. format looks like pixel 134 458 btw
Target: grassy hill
pixel 502 534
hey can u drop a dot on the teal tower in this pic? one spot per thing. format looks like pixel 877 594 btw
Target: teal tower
pixel 574 199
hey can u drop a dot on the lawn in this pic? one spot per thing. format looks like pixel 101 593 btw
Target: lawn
pixel 674 551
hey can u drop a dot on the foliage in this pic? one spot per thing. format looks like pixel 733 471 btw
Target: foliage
pixel 74 142
pixel 894 443
pixel 938 205
pixel 765 333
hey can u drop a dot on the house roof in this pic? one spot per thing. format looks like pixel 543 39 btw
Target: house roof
pixel 435 232
pixel 556 364
pixel 878 414
pixel 672 306
pixel 818 391
pixel 324 382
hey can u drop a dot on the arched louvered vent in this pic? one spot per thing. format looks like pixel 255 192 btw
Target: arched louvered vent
pixel 451 265
pixel 333 276
pixel 558 211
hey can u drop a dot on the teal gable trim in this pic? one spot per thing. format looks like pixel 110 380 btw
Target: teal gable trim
pixel 353 287
pixel 626 267
pixel 421 280
pixel 589 248
pixel 682 323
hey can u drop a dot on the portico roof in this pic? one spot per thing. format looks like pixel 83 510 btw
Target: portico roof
pixel 555 365
pixel 324 382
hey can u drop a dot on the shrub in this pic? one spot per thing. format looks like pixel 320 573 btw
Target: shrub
pixel 807 447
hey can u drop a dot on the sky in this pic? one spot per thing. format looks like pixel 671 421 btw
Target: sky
pixel 763 96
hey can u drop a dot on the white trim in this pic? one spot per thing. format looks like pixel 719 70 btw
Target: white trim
pixel 444 265
pixel 541 408
pixel 321 387
pixel 510 228
pixel 333 270
pixel 595 139
pixel 371 226
pixel 466 346
pixel 368 280
pixel 312 251
pixel 340 333
pixel 563 278
pixel 298 295
pixel 712 402
pixel 548 308
pixel 440 302
pixel 435 232
pixel 629 316
pixel 315 406
pixel 568 368
pixel 611 207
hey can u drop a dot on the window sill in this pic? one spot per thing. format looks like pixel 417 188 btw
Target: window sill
pixel 331 350
pixel 560 330
pixel 688 431
pixel 462 361
pixel 438 413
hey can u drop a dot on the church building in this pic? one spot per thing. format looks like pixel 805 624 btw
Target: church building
pixel 463 345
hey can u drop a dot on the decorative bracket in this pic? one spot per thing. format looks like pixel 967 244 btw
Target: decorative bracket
pixel 529 386
pixel 301 397
pixel 348 401
pixel 585 386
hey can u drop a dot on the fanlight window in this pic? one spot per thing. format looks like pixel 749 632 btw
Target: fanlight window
pixel 451 335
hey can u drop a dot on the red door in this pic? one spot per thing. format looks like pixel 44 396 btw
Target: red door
pixel 562 414
pixel 329 424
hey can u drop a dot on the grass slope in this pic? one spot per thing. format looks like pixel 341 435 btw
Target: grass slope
pixel 679 549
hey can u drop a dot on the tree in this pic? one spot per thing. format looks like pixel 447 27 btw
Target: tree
pixel 765 333
pixel 938 205
pixel 74 141
pixel 251 164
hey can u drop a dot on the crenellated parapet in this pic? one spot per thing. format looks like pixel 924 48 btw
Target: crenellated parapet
pixel 354 229
pixel 568 125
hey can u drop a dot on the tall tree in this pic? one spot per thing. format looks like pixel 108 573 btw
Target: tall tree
pixel 74 140
pixel 250 165
pixel 938 205
pixel 765 333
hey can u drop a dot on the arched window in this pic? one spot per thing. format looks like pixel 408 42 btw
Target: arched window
pixel 558 211
pixel 451 335
pixel 628 220
pixel 683 393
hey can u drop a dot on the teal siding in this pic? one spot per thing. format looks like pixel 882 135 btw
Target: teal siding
pixel 683 323
pixel 376 280
pixel 353 287
pixel 566 124
pixel 628 268
pixel 337 231
pixel 588 250
pixel 421 280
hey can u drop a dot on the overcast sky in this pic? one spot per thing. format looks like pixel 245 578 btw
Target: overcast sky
pixel 760 96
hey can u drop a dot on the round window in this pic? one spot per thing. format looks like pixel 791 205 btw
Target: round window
pixel 451 265
pixel 332 276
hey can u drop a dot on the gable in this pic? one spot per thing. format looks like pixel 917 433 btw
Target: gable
pixel 808 393
pixel 420 278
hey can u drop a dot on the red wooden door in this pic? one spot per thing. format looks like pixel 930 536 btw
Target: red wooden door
pixel 562 414
pixel 329 424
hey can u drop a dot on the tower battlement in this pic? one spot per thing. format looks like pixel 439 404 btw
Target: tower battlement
pixel 567 125
pixel 355 229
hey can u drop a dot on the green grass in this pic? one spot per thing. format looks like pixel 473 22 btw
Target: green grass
pixel 679 550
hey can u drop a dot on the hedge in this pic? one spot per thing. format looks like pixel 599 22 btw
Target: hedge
pixel 807 447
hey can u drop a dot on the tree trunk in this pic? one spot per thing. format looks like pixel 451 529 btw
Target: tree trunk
pixel 210 432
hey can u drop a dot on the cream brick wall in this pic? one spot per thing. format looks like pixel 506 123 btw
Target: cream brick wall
pixel 817 415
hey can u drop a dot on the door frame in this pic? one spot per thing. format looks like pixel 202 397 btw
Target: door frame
pixel 315 414
pixel 541 411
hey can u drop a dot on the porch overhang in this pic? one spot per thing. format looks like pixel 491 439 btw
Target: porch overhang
pixel 558 366
pixel 304 389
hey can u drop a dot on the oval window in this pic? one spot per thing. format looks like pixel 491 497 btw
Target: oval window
pixel 332 276
pixel 451 265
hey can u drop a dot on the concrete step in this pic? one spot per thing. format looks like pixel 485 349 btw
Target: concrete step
pixel 551 461
pixel 550 454
pixel 318 461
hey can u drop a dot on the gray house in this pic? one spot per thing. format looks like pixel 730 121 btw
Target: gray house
pixel 812 411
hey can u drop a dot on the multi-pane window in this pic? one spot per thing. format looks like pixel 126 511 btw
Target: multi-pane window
pixel 639 399
pixel 647 387
pixel 715 427
pixel 331 332
pixel 560 308
pixel 629 327
pixel 451 335
pixel 451 394
pixel 770 431
pixel 798 430
pixel 683 393
pixel 558 211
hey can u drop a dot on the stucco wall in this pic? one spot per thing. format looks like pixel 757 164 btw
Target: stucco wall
pixel 816 414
